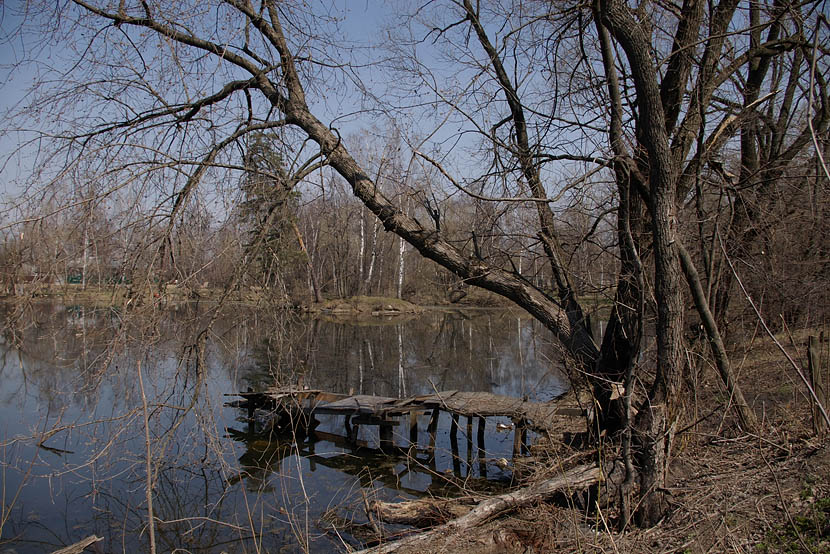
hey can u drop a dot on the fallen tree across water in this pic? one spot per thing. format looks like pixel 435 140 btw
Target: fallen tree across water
pixel 574 479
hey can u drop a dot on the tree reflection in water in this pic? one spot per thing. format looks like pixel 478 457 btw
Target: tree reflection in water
pixel 71 430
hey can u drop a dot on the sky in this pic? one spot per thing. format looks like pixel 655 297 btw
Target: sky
pixel 14 82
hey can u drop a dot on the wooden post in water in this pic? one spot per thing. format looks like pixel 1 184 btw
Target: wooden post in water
pixel 385 434
pixel 469 444
pixel 516 438
pixel 519 436
pixel 351 433
pixel 482 464
pixel 456 460
pixel 433 427
pixel 413 427
pixel 818 377
pixel 454 429
pixel 250 404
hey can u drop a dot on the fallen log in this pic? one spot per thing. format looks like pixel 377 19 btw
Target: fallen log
pixel 576 478
pixel 423 512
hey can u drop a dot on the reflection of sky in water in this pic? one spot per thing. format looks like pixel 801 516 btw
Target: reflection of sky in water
pixel 210 492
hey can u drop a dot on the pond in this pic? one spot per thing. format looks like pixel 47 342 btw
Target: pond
pixel 76 384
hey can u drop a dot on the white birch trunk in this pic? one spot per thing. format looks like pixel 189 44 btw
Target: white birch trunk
pixel 360 369
pixel 362 251
pixel 85 254
pixel 374 255
pixel 401 250
pixel 371 363
pixel 401 378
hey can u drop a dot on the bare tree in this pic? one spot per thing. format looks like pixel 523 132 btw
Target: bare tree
pixel 549 99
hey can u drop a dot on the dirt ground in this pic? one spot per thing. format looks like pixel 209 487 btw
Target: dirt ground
pixel 730 491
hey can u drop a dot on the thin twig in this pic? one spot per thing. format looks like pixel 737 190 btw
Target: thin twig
pixel 149 464
pixel 607 530
pixel 472 194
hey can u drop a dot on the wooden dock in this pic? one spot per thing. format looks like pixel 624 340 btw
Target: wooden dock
pixel 296 408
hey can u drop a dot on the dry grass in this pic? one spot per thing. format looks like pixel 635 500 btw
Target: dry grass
pixel 730 491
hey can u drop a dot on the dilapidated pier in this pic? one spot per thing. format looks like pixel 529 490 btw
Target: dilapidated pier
pixel 296 408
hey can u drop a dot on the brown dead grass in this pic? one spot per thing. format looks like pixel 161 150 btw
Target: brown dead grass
pixel 730 491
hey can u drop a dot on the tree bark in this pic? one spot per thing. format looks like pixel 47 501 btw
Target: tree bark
pixel 656 420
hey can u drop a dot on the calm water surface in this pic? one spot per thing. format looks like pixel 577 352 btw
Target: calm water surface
pixel 73 454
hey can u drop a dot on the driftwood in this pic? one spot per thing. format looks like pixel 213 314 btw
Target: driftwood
pixel 79 546
pixel 576 478
pixel 423 512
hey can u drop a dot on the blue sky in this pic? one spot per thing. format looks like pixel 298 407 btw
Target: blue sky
pixel 15 81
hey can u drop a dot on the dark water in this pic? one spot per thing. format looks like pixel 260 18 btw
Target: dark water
pixel 73 457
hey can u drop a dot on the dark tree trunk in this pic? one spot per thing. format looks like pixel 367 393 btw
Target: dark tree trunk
pixel 654 427
pixel 620 343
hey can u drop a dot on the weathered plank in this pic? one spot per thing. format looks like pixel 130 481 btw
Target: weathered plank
pixel 357 404
pixel 382 411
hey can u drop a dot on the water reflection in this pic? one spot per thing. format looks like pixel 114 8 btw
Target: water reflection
pixel 71 425
pixel 480 350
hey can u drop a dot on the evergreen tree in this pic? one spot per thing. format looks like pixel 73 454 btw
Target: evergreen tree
pixel 268 209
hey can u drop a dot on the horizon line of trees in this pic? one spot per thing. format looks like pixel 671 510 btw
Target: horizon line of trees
pixel 350 252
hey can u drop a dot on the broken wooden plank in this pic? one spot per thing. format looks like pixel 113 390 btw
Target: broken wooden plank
pixel 358 404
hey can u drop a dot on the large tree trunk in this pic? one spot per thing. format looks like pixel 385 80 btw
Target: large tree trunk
pixel 656 419
pixel 620 343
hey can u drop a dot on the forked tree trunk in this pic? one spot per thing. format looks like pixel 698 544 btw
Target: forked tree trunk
pixel 657 417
